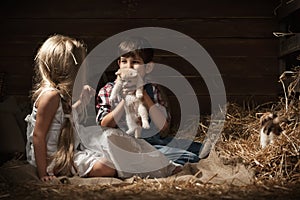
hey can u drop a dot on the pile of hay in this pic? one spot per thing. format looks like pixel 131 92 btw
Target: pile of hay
pixel 240 143
pixel 278 162
pixel 277 167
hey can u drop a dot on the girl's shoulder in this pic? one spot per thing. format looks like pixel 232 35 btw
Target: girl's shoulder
pixel 48 96
pixel 51 95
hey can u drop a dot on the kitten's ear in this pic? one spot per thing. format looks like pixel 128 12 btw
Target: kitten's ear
pixel 118 72
pixel 149 67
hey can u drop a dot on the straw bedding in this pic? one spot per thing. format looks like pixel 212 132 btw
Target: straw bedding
pixel 278 162
pixel 237 168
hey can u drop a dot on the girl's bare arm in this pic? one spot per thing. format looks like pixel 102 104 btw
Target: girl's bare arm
pixel 47 106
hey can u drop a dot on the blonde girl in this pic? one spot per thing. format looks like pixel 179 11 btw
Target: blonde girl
pixel 51 145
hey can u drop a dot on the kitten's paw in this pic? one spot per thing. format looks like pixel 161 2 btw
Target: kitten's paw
pixel 139 95
pixel 146 125
pixel 130 131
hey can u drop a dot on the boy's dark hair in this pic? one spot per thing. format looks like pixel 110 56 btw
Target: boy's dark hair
pixel 136 46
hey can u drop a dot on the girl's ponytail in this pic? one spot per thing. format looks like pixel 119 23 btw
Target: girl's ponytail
pixel 63 159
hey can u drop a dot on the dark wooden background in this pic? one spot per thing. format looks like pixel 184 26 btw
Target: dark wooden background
pixel 236 33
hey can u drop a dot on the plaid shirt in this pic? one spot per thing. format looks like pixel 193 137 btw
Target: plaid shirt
pixel 103 106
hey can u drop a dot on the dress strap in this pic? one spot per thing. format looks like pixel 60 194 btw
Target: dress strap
pixel 42 92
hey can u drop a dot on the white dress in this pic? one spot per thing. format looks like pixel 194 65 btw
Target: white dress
pixel 128 155
pixel 52 136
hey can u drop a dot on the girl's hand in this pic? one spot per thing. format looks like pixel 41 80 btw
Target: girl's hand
pixel 86 94
pixel 48 178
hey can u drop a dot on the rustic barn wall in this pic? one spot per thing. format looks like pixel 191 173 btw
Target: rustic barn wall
pixel 236 33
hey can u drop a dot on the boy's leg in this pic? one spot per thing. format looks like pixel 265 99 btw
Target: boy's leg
pixel 193 147
pixel 176 152
pixel 178 155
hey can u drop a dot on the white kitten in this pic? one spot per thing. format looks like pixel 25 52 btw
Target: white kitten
pixel 134 107
pixel 269 128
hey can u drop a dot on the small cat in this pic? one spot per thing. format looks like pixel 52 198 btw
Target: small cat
pixel 134 107
pixel 269 128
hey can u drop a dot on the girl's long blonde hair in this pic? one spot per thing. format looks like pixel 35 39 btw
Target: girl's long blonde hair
pixel 57 63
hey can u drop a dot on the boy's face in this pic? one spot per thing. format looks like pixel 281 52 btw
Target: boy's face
pixel 136 63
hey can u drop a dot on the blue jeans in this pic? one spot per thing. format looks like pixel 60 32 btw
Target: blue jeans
pixel 173 148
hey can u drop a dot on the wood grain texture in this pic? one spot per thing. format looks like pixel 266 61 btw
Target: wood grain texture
pixel 139 9
pixel 236 34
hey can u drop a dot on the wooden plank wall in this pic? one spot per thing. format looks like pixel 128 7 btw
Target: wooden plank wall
pixel 236 33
